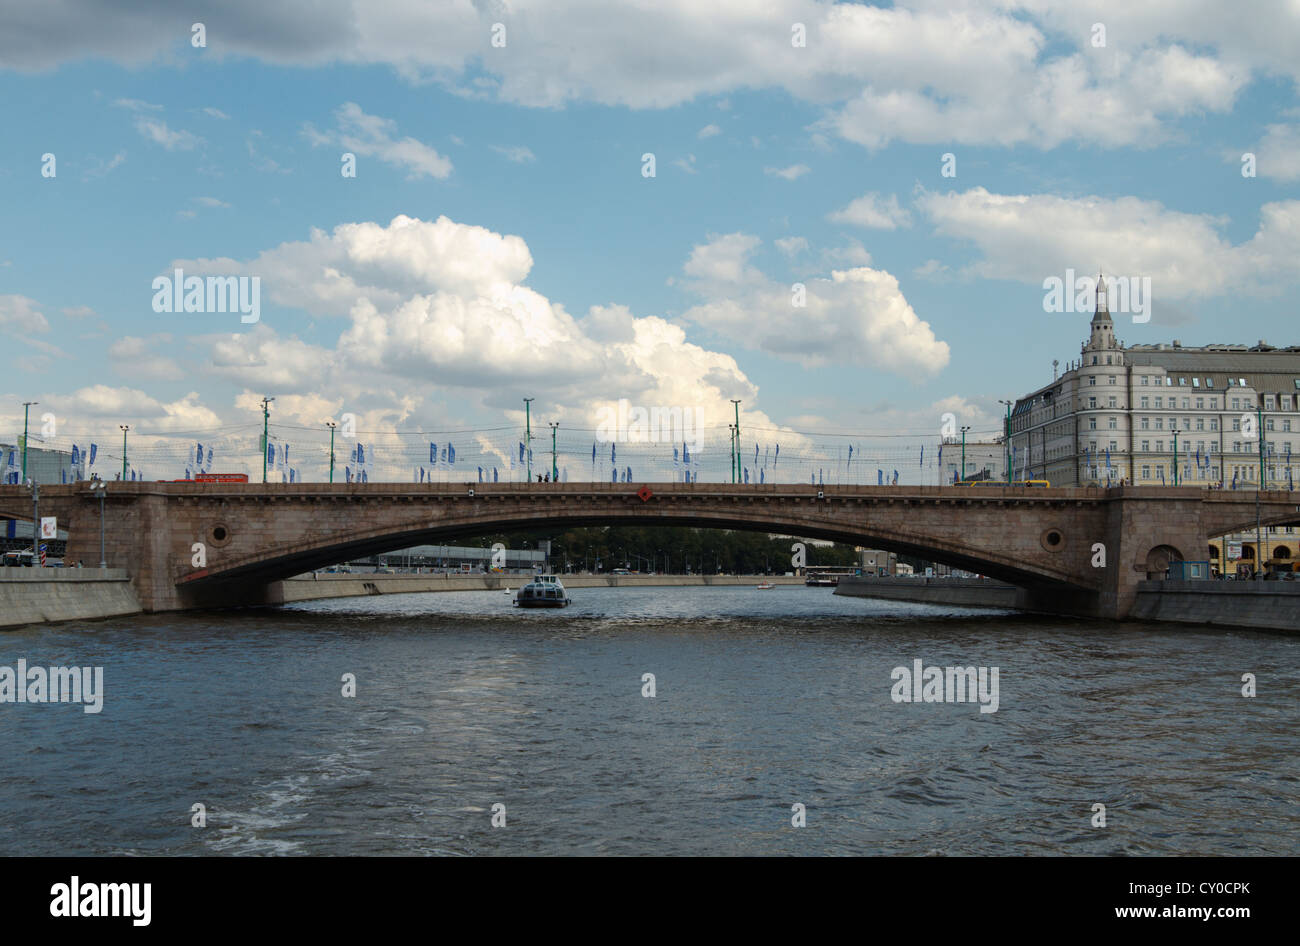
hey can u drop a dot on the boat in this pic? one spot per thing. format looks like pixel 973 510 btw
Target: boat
pixel 764 585
pixel 544 591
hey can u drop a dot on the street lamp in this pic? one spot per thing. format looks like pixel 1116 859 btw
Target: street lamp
pixel 36 523
pixel 331 425
pixel 528 434
pixel 963 453
pixel 1006 440
pixel 97 487
pixel 555 470
pixel 735 403
pixel 26 406
pixel 1175 455
pixel 266 443
pixel 125 428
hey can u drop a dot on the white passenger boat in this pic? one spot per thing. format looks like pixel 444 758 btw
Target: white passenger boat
pixel 764 585
pixel 544 591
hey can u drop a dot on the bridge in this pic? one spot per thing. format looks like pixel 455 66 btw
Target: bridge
pixel 1075 550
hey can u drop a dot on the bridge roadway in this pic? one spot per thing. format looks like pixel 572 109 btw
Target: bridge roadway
pixel 1075 550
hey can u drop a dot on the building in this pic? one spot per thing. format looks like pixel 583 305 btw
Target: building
pixel 984 460
pixel 1165 415
pixel 44 466
pixel 1152 414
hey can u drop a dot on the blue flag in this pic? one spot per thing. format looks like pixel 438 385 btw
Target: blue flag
pixel 198 461
pixel 613 478
pixel 361 452
pixel 494 474
pixel 93 450
pixel 433 453
pixel 451 454
pixel 686 455
pixel 880 477
pixel 746 469
pixel 480 474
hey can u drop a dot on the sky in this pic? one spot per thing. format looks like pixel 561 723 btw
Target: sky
pixel 852 214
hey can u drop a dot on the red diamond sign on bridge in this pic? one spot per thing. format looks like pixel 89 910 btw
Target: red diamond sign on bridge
pixel 644 493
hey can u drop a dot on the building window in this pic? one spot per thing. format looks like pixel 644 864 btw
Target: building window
pixel 1110 380
pixel 1200 403
pixel 1160 403
pixel 1146 472
pixel 1160 446
pixel 1146 446
pixel 1144 382
pixel 1092 402
pixel 1286 424
pixel 1160 423
pixel 1214 423
pixel 1111 401
pixel 1196 382
pixel 1094 359
pixel 1111 422
pixel 1200 423
pixel 1146 423
pixel 1092 381
pixel 1268 424
pixel 1146 401
pixel 1241 382
pixel 1113 447
pixel 1187 423
pixel 1092 423
pixel 1236 423
pixel 1186 406
pixel 1209 383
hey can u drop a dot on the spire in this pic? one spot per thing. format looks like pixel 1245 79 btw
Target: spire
pixel 1103 305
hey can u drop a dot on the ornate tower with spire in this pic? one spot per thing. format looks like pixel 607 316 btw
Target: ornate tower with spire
pixel 1103 329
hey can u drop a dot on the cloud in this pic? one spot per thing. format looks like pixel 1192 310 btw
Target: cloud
pixel 157 131
pixel 101 168
pixel 1277 155
pixel 791 246
pixel 135 357
pixel 793 172
pixel 20 312
pixel 518 154
pixel 1030 237
pixel 921 71
pixel 215 113
pixel 79 312
pixel 687 164
pixel 372 136
pixel 448 303
pixel 708 131
pixel 136 105
pixel 210 202
pixel 872 210
pixel 857 315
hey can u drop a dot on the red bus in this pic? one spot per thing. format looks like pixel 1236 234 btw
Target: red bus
pixel 215 478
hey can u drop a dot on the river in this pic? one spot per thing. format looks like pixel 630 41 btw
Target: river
pixel 762 700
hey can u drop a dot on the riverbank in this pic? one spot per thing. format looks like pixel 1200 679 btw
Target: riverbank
pixel 967 592
pixel 321 585
pixel 1265 605
pixel 42 595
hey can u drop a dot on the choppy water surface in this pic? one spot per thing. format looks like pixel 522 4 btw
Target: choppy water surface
pixel 764 699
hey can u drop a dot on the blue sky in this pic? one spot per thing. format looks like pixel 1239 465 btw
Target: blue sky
pixel 775 164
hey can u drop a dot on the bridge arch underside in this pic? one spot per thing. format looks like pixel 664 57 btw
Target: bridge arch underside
pixel 1265 522
pixel 284 562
